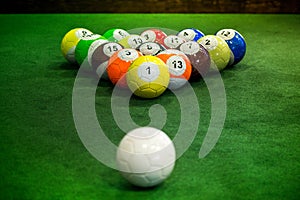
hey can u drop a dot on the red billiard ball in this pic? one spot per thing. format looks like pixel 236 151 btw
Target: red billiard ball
pixel 154 35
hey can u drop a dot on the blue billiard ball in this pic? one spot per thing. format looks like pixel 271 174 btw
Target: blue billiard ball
pixel 198 35
pixel 236 43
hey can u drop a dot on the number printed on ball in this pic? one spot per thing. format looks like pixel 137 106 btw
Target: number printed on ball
pixel 119 34
pixel 82 33
pixel 173 41
pixel 150 48
pixel 226 34
pixel 190 47
pixel 210 43
pixel 177 65
pixel 128 54
pixel 149 35
pixel 187 34
pixel 135 40
pixel 148 71
pixel 110 48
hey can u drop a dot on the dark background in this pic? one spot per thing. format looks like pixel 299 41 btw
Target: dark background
pixel 150 6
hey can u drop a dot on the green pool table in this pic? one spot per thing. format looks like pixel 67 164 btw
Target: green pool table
pixel 257 155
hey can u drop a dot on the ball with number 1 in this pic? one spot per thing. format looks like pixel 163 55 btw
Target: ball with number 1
pixel 148 76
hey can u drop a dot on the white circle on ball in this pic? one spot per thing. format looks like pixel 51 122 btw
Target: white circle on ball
pixel 110 48
pixel 226 34
pixel 190 47
pixel 119 34
pixel 187 34
pixel 91 37
pixel 149 48
pixel 176 65
pixel 148 71
pixel 82 33
pixel 149 36
pixel 209 42
pixel 128 54
pixel 173 41
pixel 135 40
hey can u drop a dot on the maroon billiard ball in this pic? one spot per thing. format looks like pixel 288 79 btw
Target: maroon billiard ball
pixel 101 55
pixel 199 57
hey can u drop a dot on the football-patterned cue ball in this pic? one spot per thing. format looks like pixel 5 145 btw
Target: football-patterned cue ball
pixel 146 156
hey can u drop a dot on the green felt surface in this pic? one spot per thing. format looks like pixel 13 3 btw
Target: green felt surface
pixel 256 157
